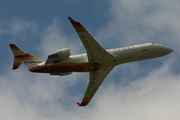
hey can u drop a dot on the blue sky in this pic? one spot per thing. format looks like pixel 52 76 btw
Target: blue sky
pixel 140 90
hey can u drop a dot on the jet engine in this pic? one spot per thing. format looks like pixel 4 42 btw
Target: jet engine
pixel 62 53
pixel 58 56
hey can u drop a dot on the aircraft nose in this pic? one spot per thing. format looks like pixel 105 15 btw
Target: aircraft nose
pixel 168 50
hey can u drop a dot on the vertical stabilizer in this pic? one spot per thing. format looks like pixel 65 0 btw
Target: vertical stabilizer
pixel 22 57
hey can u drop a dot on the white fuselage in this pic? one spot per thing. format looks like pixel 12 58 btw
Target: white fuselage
pixel 127 54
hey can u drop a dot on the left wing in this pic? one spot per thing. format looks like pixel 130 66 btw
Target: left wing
pixel 95 53
pixel 95 80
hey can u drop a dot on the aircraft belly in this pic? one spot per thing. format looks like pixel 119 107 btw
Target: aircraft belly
pixel 65 67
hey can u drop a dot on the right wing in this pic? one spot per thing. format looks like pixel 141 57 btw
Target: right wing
pixel 95 80
pixel 95 53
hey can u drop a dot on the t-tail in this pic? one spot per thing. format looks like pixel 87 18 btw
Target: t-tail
pixel 22 57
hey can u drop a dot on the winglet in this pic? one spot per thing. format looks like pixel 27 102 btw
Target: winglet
pixel 82 104
pixel 79 103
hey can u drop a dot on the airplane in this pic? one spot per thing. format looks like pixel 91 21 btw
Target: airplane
pixel 97 61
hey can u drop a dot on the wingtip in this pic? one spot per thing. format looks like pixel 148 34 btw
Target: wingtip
pixel 82 104
pixel 71 20
pixel 79 104
pixel 11 45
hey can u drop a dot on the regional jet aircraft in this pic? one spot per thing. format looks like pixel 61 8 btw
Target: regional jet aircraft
pixel 97 61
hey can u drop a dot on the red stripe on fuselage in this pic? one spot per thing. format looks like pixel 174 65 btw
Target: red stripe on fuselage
pixel 64 67
pixel 56 69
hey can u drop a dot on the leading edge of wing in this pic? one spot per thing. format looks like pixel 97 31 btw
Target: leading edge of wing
pixel 96 79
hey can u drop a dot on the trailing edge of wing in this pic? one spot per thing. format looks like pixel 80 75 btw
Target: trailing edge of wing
pixel 95 53
pixel 96 78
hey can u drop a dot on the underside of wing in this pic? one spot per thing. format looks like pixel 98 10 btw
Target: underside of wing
pixel 95 53
pixel 95 80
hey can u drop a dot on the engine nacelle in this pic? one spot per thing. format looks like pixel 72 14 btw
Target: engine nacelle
pixel 63 53
pixel 58 56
